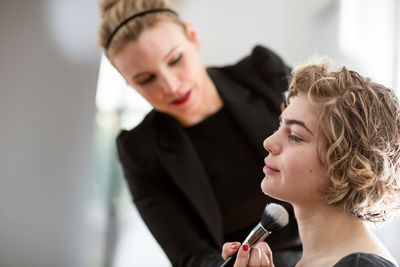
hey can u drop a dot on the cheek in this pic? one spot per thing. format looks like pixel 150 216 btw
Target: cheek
pixel 302 176
pixel 153 96
pixel 318 176
pixel 301 169
pixel 193 67
pixel 323 179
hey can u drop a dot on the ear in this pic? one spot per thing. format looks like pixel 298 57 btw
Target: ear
pixel 192 34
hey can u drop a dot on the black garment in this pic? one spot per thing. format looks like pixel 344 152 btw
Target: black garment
pixel 221 144
pixel 364 260
pixel 168 181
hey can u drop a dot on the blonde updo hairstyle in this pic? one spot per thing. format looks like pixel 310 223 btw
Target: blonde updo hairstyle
pixel 113 12
pixel 359 121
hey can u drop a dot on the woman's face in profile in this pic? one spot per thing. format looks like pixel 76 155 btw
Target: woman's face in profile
pixel 293 170
pixel 164 66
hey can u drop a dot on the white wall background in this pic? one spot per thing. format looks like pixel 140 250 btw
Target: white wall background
pixel 48 75
pixel 50 214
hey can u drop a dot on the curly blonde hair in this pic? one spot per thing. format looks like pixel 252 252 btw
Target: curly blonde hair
pixel 359 121
pixel 113 12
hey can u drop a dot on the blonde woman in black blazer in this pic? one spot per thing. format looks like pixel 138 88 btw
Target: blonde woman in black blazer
pixel 192 193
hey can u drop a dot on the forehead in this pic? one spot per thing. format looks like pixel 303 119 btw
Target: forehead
pixel 161 36
pixel 150 48
pixel 300 109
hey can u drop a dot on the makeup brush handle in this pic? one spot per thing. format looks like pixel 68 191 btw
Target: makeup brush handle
pixel 230 261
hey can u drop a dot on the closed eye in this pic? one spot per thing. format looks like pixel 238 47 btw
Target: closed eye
pixel 176 60
pixel 147 80
pixel 294 138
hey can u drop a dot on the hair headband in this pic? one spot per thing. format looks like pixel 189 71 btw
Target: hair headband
pixel 135 16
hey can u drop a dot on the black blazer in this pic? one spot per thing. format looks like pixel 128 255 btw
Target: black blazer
pixel 166 178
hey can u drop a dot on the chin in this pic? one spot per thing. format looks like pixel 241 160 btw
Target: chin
pixel 264 186
pixel 268 188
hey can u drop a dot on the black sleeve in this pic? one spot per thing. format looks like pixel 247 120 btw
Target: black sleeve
pixel 167 214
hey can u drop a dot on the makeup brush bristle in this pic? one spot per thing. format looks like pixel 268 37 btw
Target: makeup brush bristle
pixel 274 217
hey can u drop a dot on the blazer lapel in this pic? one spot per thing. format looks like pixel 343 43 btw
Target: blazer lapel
pixel 179 158
pixel 250 111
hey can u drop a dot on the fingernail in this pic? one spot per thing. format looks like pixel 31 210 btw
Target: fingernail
pixel 234 246
pixel 246 247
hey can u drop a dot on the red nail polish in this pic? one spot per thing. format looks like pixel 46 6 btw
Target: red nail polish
pixel 234 246
pixel 246 247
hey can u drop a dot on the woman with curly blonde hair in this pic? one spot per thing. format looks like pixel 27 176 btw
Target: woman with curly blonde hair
pixel 336 159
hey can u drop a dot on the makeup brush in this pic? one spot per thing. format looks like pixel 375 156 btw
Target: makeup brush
pixel 274 218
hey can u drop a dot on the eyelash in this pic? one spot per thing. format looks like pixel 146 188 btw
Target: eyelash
pixel 291 137
pixel 175 61
pixel 151 77
pixel 294 138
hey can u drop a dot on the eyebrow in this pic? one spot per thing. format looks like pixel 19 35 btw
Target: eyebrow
pixel 166 56
pixel 296 122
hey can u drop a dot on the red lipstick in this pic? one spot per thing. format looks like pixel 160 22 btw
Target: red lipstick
pixel 182 100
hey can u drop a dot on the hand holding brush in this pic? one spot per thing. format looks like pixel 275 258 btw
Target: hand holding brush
pixel 274 218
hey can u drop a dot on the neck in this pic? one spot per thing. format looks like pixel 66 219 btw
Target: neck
pixel 328 234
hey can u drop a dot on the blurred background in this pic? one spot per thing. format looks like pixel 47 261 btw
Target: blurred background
pixel 63 200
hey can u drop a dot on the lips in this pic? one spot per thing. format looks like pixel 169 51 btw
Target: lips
pixel 268 169
pixel 182 100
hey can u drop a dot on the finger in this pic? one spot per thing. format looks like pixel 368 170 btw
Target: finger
pixel 266 250
pixel 229 249
pixel 255 257
pixel 242 256
pixel 264 260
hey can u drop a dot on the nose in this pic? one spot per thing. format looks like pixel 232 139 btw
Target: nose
pixel 272 145
pixel 170 82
